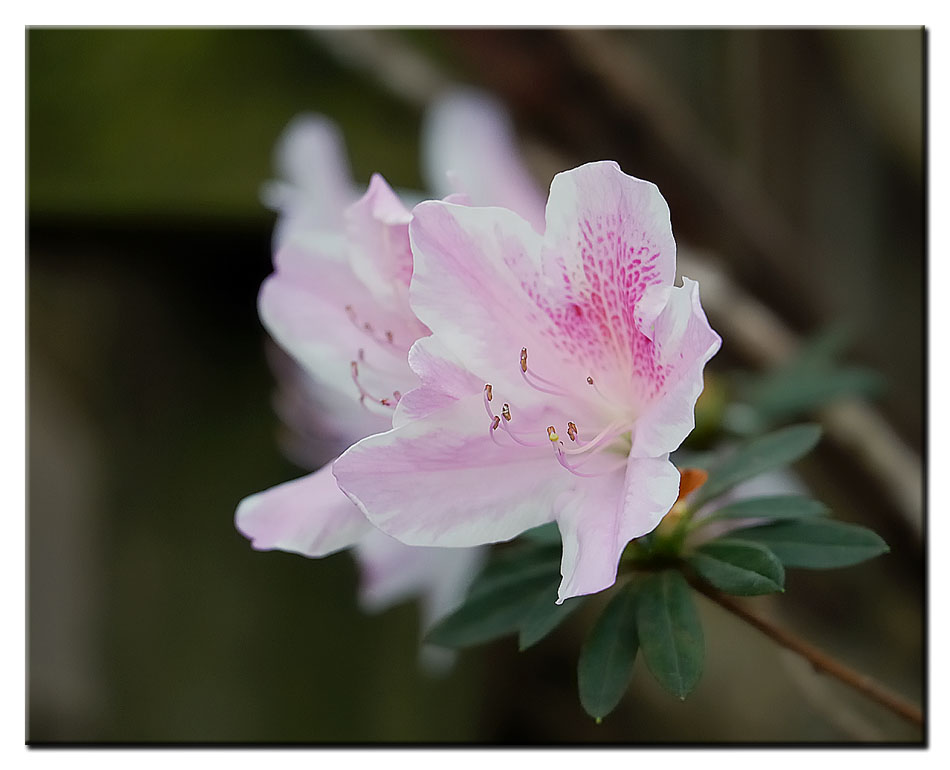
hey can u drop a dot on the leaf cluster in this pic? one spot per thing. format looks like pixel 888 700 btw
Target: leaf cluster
pixel 651 613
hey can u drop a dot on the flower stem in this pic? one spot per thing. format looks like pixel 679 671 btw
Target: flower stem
pixel 819 660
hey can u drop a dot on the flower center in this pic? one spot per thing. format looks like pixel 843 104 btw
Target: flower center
pixel 577 447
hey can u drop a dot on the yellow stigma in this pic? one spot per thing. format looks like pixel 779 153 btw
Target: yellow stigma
pixel 552 434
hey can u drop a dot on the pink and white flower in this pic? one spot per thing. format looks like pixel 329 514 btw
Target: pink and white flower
pixel 562 369
pixel 338 303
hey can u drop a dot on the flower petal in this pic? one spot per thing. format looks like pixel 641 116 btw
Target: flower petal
pixel 442 481
pixel 315 180
pixel 443 381
pixel 608 513
pixel 475 272
pixel 469 147
pixel 309 516
pixel 684 342
pixel 608 240
pixel 378 229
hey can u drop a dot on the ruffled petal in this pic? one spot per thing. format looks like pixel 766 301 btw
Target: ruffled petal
pixel 443 381
pixel 469 147
pixel 309 516
pixel 441 481
pixel 377 226
pixel 608 241
pixel 684 342
pixel 599 521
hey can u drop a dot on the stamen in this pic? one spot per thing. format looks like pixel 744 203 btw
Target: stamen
pixel 485 400
pixel 516 438
pixel 387 339
pixel 488 391
pixel 608 434
pixel 492 427
pixel 572 431
pixel 540 383
pixel 364 394
pixel 506 412
pixel 559 454
pixel 590 381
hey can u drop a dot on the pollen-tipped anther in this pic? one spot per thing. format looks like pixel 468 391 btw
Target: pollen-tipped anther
pixel 488 391
pixel 506 412
pixel 524 359
pixel 572 431
pixel 494 422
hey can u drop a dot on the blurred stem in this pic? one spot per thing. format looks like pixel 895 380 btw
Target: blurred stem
pixel 821 661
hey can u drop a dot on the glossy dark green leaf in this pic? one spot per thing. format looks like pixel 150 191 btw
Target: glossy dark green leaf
pixel 739 568
pixel 818 543
pixel 778 507
pixel 759 455
pixel 546 534
pixel 545 615
pixel 514 564
pixel 606 662
pixel 497 603
pixel 670 633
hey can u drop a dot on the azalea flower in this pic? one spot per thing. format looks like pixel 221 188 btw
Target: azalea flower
pixel 338 304
pixel 562 369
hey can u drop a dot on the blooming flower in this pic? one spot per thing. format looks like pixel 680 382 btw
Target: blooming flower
pixel 338 303
pixel 562 370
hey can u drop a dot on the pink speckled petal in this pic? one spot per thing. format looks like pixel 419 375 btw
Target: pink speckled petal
pixel 378 229
pixel 309 516
pixel 469 147
pixel 600 519
pixel 684 342
pixel 608 241
pixel 441 481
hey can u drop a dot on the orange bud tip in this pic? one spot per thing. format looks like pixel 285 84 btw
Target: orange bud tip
pixel 691 479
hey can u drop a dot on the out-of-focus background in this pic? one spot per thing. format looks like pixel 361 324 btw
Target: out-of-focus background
pixel 793 164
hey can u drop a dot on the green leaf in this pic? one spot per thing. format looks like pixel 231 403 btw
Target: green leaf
pixel 818 543
pixel 783 397
pixel 778 507
pixel 739 568
pixel 605 666
pixel 670 633
pixel 545 534
pixel 500 597
pixel 512 565
pixel 545 615
pixel 762 454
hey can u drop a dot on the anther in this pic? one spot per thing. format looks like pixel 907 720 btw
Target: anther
pixel 494 423
pixel 506 412
pixel 552 434
pixel 524 359
pixel 389 336
pixel 354 370
pixel 572 431
pixel 590 380
pixel 488 391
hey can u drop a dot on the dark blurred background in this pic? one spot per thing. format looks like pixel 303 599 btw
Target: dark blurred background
pixel 793 159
